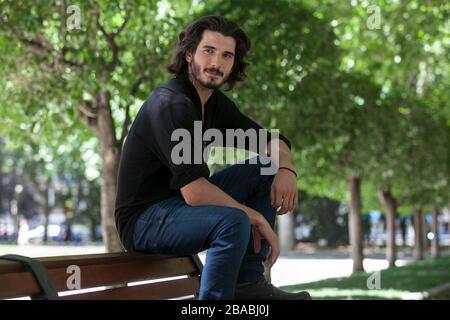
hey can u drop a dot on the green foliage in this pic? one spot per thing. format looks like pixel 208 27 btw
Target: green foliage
pixel 352 99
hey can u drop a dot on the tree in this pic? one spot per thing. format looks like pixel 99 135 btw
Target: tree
pixel 405 55
pixel 97 73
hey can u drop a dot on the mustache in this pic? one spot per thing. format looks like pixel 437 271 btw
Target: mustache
pixel 215 71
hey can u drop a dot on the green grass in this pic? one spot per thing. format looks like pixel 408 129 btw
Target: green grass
pixel 394 283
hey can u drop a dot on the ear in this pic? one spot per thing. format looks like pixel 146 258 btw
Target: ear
pixel 189 57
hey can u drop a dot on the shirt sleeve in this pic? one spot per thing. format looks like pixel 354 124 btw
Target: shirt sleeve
pixel 171 134
pixel 233 118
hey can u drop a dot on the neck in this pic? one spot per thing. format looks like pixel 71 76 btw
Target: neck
pixel 204 93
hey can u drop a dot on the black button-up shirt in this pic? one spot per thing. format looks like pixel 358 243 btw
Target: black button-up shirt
pixel 146 172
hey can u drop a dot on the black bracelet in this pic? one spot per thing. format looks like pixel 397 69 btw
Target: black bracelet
pixel 289 170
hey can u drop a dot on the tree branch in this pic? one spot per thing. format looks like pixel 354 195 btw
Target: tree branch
pixel 382 197
pixel 87 110
pixel 88 115
pixel 127 121
pixel 125 21
pixel 110 40
pixel 41 47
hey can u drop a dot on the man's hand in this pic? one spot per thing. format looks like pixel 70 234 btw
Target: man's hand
pixel 273 242
pixel 284 194
pixel 261 229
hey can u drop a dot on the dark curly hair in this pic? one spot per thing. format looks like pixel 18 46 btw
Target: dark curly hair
pixel 189 39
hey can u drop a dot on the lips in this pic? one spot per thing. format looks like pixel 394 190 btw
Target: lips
pixel 214 74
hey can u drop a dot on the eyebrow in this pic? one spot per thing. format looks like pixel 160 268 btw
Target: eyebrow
pixel 211 47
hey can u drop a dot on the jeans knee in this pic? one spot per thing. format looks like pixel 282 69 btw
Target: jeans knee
pixel 237 220
pixel 239 217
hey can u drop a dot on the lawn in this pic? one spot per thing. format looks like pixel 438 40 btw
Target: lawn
pixel 393 283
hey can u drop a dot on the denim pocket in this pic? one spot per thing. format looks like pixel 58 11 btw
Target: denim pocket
pixel 144 236
pixel 148 228
pixel 148 225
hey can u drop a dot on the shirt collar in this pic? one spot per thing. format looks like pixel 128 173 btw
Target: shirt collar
pixel 191 91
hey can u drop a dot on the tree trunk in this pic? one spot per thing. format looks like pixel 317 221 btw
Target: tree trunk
pixel 46 216
pixel 425 230
pixel 93 227
pixel 15 203
pixel 435 253
pixel 418 234
pixel 286 225
pixel 49 202
pixel 68 211
pixel 110 153
pixel 403 229
pixel 355 229
pixel 390 204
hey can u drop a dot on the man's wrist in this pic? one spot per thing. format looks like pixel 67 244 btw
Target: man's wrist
pixel 288 169
pixel 254 218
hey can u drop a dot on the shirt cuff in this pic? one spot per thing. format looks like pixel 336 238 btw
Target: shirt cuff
pixel 189 175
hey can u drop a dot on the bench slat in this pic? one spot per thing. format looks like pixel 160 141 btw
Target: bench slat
pixel 96 270
pixel 153 291
pixel 85 259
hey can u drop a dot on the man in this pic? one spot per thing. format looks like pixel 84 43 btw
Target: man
pixel 164 206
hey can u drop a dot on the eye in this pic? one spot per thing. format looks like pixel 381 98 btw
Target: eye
pixel 228 56
pixel 209 50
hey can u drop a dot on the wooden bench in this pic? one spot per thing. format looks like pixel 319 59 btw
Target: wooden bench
pixel 110 274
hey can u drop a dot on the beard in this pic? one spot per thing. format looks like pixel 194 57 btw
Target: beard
pixel 195 71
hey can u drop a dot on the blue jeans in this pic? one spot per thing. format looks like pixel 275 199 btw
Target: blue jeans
pixel 173 227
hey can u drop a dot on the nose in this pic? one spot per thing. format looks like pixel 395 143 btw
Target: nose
pixel 215 61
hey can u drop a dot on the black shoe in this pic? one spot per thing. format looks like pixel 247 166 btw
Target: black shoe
pixel 262 290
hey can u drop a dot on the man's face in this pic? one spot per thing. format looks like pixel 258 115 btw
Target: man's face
pixel 213 60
